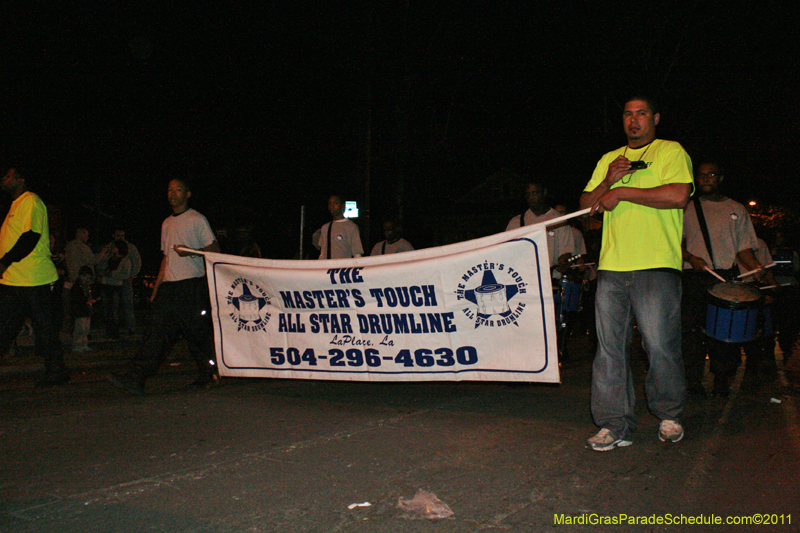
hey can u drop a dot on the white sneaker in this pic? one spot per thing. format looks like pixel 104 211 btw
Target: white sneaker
pixel 670 430
pixel 606 440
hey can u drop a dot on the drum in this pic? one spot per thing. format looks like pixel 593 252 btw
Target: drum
pixel 492 299
pixel 248 307
pixel 765 317
pixel 570 290
pixel 732 312
pixel 567 298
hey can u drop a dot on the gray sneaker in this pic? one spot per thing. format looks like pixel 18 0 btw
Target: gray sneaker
pixel 670 430
pixel 606 440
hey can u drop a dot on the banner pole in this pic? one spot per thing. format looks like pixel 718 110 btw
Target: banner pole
pixel 555 221
pixel 302 226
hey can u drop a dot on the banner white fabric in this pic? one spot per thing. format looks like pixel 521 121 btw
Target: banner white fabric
pixel 476 310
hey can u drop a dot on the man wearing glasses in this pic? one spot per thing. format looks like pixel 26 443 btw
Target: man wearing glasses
pixel 731 238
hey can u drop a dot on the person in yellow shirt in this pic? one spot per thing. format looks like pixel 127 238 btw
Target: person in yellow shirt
pixel 28 275
pixel 641 190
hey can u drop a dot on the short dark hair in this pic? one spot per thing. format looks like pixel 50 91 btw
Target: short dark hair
pixel 23 174
pixel 648 99
pixel 711 161
pixel 339 197
pixel 393 222
pixel 186 182
pixel 536 182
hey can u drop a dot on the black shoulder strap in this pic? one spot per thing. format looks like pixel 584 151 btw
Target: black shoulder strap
pixel 330 230
pixel 522 218
pixel 701 219
pixel 383 248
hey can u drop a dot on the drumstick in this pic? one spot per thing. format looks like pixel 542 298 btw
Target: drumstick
pixel 768 287
pixel 754 271
pixel 583 265
pixel 723 280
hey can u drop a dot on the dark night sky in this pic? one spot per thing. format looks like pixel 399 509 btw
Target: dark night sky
pixel 266 104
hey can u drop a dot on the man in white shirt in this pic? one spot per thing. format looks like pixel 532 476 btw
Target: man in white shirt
pixel 339 238
pixel 560 243
pixel 393 243
pixel 180 297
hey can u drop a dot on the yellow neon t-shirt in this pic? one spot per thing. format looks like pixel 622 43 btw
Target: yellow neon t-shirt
pixel 637 237
pixel 27 212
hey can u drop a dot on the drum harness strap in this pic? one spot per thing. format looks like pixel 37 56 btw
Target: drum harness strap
pixel 701 219
pixel 330 230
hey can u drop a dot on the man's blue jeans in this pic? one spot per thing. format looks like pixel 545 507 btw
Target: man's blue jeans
pixel 653 299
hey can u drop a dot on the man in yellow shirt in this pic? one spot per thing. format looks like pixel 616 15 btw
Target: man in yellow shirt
pixel 28 274
pixel 641 189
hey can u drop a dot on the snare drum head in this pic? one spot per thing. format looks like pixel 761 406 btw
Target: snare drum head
pixel 735 293
pixel 490 288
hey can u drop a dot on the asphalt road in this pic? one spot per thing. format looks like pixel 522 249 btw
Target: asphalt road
pixel 257 455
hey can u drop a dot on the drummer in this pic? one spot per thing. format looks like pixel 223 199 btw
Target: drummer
pixel 727 239
pixel 560 242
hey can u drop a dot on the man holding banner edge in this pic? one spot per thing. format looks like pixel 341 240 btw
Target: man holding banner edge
pixel 180 297
pixel 641 189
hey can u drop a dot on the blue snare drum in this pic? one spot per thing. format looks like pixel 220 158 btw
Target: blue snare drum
pixel 732 312
pixel 570 290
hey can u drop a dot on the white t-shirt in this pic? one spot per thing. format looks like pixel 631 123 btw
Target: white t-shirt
pixel 729 228
pixel 191 229
pixel 385 248
pixel 345 240
pixel 559 237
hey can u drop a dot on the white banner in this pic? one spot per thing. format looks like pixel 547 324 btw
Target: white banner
pixel 477 310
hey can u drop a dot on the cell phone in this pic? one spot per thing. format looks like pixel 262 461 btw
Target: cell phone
pixel 638 165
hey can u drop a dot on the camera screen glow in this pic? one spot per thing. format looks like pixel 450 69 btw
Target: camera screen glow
pixel 350 210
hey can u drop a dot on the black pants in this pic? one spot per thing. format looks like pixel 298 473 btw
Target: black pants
pixel 786 315
pixel 112 296
pixel 36 303
pixel 180 308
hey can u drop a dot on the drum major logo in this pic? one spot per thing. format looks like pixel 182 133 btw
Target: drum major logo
pixel 493 299
pixel 247 303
